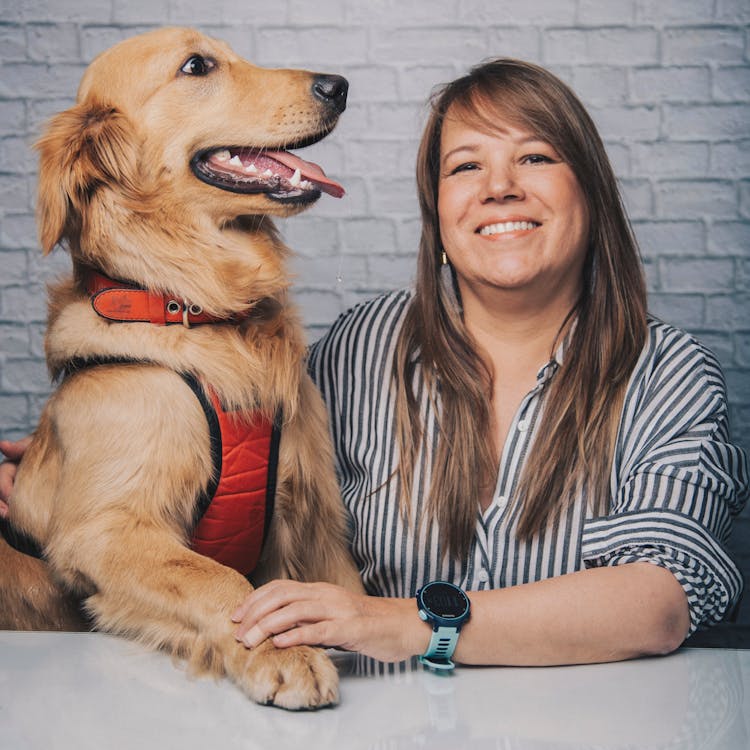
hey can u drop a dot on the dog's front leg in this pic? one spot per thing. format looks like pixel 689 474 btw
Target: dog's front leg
pixel 154 590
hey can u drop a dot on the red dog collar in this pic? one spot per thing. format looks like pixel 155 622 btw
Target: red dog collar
pixel 125 302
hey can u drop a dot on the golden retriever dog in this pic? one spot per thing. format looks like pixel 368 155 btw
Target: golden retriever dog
pixel 160 181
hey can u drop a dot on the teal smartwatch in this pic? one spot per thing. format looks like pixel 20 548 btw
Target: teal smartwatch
pixel 446 607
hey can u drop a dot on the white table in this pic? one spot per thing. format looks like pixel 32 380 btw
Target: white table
pixel 87 690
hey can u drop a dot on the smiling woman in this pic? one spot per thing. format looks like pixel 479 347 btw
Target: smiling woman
pixel 517 425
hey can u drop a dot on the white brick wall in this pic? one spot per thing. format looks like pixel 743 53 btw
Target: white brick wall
pixel 667 81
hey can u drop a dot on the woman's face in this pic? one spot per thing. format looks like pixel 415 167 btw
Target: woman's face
pixel 512 214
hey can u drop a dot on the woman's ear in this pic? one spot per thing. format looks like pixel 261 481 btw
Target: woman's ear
pixel 82 149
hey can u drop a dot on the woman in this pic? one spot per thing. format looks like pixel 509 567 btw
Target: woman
pixel 517 425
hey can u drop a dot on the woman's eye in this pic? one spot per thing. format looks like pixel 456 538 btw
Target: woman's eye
pixel 197 65
pixel 466 167
pixel 536 159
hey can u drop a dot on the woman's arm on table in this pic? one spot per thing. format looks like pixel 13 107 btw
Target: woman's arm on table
pixel 597 615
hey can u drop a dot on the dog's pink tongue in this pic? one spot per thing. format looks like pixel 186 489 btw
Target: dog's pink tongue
pixel 309 171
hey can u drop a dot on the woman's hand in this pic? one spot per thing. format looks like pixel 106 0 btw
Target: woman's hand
pixel 321 614
pixel 13 452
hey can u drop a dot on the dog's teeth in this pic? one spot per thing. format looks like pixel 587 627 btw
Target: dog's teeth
pixel 251 168
pixel 222 155
pixel 295 178
pixel 305 184
pixel 268 173
pixel 235 161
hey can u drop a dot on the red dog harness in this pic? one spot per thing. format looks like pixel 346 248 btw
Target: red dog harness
pixel 235 511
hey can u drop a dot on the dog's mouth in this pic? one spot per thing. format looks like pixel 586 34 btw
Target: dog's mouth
pixel 280 175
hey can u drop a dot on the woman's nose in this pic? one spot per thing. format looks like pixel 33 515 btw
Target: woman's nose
pixel 501 185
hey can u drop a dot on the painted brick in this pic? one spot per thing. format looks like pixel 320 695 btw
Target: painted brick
pixel 605 46
pixel 732 84
pixel 85 11
pixel 15 343
pixel 669 159
pixel 25 376
pixel 54 42
pixel 383 12
pixel 148 12
pixel 398 119
pixel 15 192
pixel 654 85
pixel 228 12
pixel 728 313
pixel 730 159
pixel 638 198
pixel 523 42
pixel 393 196
pixel 390 272
pixel 312 47
pixel 683 310
pixel 601 85
pixel 415 82
pixel 540 12
pixel 686 46
pixel 378 157
pixel 597 13
pixel 697 275
pixel 13 43
pixel 23 304
pixel 674 11
pixel 46 268
pixel 688 199
pixel 13 268
pixel 309 235
pixel 16 156
pixel 319 308
pixel 619 158
pixel 353 203
pixel 96 39
pixel 464 46
pixel 18 231
pixel 15 411
pixel 322 274
pixel 732 11
pixel 630 123
pixel 12 117
pixel 373 83
pixel 710 122
pixel 729 238
pixel 369 236
pixel 745 199
pixel 721 344
pixel 657 238
pixel 742 349
pixel 38 80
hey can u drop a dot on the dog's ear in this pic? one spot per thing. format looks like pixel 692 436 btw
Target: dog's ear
pixel 82 149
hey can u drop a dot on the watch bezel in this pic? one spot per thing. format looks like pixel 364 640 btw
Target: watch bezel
pixel 438 619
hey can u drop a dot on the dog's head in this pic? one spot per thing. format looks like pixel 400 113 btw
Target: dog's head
pixel 173 122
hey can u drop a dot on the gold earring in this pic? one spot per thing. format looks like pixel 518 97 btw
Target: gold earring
pixel 445 259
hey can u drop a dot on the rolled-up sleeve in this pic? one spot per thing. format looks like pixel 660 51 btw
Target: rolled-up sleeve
pixel 677 480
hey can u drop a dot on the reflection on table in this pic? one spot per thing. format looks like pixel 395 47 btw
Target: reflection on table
pixel 76 690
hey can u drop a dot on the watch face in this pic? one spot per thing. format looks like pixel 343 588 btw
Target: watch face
pixel 444 600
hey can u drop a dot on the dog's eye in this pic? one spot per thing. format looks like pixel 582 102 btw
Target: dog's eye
pixel 197 65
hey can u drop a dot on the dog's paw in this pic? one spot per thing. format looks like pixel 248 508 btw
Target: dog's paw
pixel 295 678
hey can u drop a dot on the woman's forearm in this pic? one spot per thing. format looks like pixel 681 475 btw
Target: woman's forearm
pixel 596 615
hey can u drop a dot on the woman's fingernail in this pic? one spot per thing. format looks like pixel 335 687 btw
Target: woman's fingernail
pixel 253 637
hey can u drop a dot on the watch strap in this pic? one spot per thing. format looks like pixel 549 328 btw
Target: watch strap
pixel 442 645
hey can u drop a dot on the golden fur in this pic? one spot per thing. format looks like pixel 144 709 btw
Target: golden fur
pixel 109 483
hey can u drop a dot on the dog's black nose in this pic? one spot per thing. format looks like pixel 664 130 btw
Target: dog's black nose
pixel 331 90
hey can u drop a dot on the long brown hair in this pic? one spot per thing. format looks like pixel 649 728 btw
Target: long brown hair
pixel 575 442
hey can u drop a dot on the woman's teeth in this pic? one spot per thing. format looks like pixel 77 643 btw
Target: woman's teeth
pixel 508 226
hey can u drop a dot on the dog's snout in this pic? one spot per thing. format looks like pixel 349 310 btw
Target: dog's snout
pixel 331 90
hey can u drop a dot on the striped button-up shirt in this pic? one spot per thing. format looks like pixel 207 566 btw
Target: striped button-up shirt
pixel 676 480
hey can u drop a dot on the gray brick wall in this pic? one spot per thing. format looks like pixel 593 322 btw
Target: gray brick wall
pixel 667 82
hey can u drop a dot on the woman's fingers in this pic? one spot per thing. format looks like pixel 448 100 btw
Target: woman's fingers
pixel 14 450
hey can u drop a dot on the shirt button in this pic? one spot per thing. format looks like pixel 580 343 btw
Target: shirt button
pixel 501 501
pixel 483 576
pixel 523 425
